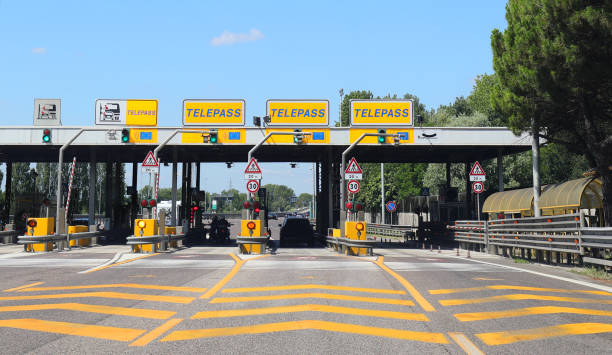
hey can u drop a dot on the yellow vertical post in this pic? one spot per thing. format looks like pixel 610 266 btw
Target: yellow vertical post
pixel 81 242
pixel 255 231
pixel 40 227
pixel 145 228
pixel 356 230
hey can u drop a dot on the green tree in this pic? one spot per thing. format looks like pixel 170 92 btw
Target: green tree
pixel 304 199
pixel 279 197
pixel 554 77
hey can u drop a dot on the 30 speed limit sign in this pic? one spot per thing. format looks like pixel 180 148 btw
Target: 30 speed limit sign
pixel 253 186
pixel 353 186
pixel 477 187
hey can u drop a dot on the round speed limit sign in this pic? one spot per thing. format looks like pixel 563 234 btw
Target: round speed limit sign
pixel 477 187
pixel 353 186
pixel 253 186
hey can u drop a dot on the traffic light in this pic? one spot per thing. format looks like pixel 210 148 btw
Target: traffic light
pixel 257 121
pixel 125 135
pixel 214 136
pixel 298 138
pixel 382 139
pixel 46 138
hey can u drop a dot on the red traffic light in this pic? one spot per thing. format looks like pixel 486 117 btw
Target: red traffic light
pixel 143 203
pixel 256 205
pixel 257 210
pixel 349 205
pixel 246 204
pixel 152 203
pixel 358 207
pixel 46 202
pixel 195 208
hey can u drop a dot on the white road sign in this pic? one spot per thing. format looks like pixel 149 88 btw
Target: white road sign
pixel 477 173
pixel 252 171
pixel 353 171
pixel 353 186
pixel 252 186
pixel 477 187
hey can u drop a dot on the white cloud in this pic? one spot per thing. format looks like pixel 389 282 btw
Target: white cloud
pixel 39 50
pixel 228 38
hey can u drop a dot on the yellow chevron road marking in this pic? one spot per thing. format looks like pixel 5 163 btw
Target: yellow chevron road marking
pixel 520 297
pixel 464 342
pixel 117 295
pixel 229 276
pixel 468 317
pixel 328 296
pixel 311 308
pixel 128 285
pixel 427 337
pixel 311 286
pixel 79 307
pixel 407 285
pixel 84 330
pixel 155 333
pixel 22 287
pixel 511 287
pixel 501 338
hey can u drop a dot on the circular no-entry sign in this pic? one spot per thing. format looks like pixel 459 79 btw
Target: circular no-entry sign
pixel 391 206
pixel 253 186
pixel 477 187
pixel 353 186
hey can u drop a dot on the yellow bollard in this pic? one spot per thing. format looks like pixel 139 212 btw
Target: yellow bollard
pixel 250 228
pixel 356 231
pixel 85 242
pixel 38 227
pixel 145 228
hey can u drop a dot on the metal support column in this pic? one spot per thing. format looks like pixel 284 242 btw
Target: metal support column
pixel 183 214
pixel 468 191
pixel 8 189
pixel 117 194
pixel 108 193
pixel 500 171
pixel 92 189
pixel 330 187
pixel 174 173
pixel 134 198
pixel 535 163
pixel 382 193
pixel 448 175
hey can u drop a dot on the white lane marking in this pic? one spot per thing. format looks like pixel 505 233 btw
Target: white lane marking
pixel 461 267
pixel 260 264
pixel 51 262
pixel 577 282
pixel 178 264
pixel 111 261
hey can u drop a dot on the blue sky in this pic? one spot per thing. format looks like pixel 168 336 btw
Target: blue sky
pixel 80 51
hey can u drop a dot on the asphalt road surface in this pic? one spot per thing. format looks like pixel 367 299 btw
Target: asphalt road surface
pixel 209 299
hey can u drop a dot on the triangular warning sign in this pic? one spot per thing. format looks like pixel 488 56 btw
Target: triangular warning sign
pixel 353 167
pixel 477 169
pixel 150 160
pixel 252 167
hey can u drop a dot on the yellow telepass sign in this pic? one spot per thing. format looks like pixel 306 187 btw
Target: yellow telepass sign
pixel 141 113
pixel 381 112
pixel 213 112
pixel 298 112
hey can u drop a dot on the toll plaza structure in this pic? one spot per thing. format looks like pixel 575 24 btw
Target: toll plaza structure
pixel 324 146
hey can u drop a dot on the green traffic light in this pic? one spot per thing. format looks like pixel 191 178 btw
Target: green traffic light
pixel 382 139
pixel 213 139
pixel 125 139
pixel 46 139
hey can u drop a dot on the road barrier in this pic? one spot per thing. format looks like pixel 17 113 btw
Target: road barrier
pixel 8 237
pixel 563 236
pixel 245 244
pixel 388 230
pixel 157 242
pixel 53 241
pixel 346 245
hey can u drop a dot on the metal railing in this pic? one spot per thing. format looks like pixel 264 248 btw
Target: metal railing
pixel 388 230
pixel 563 235
pixel 154 240
pixel 345 245
pixel 58 240
pixel 8 237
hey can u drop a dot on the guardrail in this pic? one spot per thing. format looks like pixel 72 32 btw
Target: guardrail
pixel 389 230
pixel 261 241
pixel 154 240
pixel 345 245
pixel 563 235
pixel 58 240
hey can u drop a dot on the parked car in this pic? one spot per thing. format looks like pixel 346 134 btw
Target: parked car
pixel 296 230
pixel 272 215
